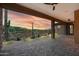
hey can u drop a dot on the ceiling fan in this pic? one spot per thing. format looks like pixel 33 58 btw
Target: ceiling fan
pixel 53 4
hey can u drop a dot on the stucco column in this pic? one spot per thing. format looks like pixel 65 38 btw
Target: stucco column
pixel 76 26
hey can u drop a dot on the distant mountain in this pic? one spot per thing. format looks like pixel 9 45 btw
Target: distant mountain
pixel 23 33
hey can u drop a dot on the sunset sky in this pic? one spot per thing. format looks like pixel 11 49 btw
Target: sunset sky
pixel 25 21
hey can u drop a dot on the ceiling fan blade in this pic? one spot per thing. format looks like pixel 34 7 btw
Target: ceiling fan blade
pixel 50 3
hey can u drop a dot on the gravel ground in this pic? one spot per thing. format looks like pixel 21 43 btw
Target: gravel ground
pixel 46 46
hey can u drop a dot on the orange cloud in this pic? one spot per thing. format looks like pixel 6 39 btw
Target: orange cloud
pixel 24 20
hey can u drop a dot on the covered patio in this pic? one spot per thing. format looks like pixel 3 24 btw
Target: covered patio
pixel 65 16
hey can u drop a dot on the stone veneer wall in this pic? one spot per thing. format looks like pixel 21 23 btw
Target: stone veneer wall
pixel 0 28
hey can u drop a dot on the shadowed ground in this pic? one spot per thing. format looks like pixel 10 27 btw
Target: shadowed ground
pixel 44 46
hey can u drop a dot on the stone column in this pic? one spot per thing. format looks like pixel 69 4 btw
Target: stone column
pixel 0 28
pixel 67 29
pixel 53 29
pixel 76 26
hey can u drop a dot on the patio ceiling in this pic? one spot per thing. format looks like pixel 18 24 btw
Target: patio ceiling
pixel 63 11
pixel 30 11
